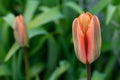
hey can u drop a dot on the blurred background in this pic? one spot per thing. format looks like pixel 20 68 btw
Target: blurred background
pixel 51 52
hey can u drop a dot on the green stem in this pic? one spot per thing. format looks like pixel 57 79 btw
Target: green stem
pixel 26 63
pixel 88 71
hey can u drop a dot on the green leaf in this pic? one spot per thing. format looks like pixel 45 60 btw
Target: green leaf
pixel 53 49
pixel 44 8
pixel 100 5
pixel 13 49
pixel 41 41
pixel 10 19
pixel 45 17
pixel 2 53
pixel 74 6
pixel 109 67
pixel 60 70
pixel 35 32
pixel 14 68
pixel 15 46
pixel 36 69
pixel 4 70
pixel 82 74
pixel 98 76
pixel 2 8
pixel 30 8
pixel 106 46
pixel 19 62
pixel 5 36
pixel 110 12
pixel 37 77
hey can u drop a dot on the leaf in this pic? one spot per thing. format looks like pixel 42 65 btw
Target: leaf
pixel 44 8
pixel 2 8
pixel 14 68
pixel 15 46
pixel 65 47
pixel 4 70
pixel 109 67
pixel 5 36
pixel 40 43
pixel 82 74
pixel 30 8
pixel 36 69
pixel 53 49
pixel 74 6
pixel 37 77
pixel 10 19
pixel 64 65
pixel 100 5
pixel 19 63
pixel 13 49
pixel 35 32
pixel 110 12
pixel 106 46
pixel 2 53
pixel 98 76
pixel 45 17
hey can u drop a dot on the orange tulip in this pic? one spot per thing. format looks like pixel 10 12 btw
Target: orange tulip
pixel 86 37
pixel 20 32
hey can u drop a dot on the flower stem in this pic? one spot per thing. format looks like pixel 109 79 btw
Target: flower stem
pixel 88 71
pixel 26 63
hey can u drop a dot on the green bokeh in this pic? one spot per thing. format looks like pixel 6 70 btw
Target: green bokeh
pixel 51 52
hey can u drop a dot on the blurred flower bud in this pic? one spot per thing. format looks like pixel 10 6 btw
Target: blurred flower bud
pixel 20 32
pixel 86 35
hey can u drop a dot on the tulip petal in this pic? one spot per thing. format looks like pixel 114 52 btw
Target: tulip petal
pixel 89 14
pixel 84 20
pixel 78 39
pixel 74 34
pixel 21 29
pixel 94 39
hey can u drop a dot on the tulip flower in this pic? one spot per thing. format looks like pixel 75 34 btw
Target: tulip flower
pixel 20 32
pixel 21 37
pixel 86 35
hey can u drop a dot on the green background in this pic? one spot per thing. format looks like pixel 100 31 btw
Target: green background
pixel 51 52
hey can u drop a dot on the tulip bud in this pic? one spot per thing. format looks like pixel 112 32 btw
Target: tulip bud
pixel 86 35
pixel 20 32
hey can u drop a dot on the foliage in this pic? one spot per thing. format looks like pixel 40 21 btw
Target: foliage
pixel 51 52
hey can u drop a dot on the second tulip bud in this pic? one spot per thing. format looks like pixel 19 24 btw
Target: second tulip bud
pixel 20 32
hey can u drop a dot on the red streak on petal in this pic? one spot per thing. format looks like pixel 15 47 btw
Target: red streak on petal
pixel 21 29
pixel 90 41
pixel 81 44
